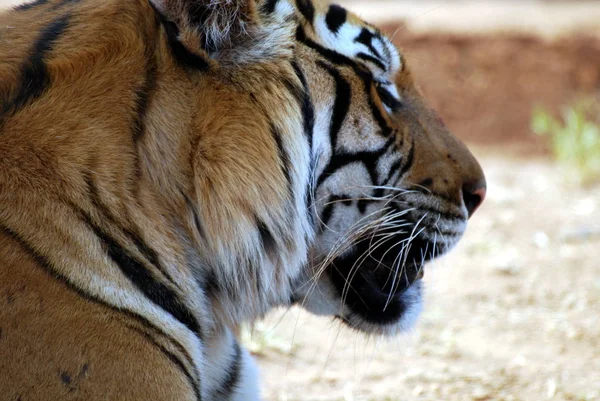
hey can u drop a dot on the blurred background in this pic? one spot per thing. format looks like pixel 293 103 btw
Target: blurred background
pixel 514 312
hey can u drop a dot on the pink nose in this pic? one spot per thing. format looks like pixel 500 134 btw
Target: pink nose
pixel 473 196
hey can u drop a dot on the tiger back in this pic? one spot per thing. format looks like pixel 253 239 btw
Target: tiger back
pixel 171 169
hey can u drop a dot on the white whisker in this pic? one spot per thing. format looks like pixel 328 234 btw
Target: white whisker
pixel 404 251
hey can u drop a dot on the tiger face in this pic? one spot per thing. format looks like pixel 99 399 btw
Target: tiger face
pixel 391 187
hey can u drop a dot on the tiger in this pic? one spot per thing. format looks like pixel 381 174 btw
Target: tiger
pixel 173 169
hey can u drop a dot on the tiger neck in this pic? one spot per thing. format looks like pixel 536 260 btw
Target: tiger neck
pixel 218 151
pixel 197 163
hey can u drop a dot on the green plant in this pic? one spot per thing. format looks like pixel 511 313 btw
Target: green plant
pixel 574 139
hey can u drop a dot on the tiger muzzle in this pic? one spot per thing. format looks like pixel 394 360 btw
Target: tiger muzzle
pixel 373 277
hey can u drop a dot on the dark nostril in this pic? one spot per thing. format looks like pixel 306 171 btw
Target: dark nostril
pixel 473 196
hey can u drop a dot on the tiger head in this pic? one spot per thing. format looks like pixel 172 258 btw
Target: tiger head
pixel 335 176
pixel 392 188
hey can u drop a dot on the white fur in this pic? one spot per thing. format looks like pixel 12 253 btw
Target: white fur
pixel 220 350
pixel 248 388
pixel 344 42
pixel 284 9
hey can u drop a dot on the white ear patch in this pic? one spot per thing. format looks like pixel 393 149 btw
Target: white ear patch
pixel 283 10
pixel 394 56
pixel 358 42
pixel 341 41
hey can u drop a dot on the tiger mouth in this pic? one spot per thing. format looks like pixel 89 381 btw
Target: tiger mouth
pixel 373 286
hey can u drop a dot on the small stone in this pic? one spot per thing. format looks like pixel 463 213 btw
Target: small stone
pixel 541 240
pixel 552 386
pixel 417 391
pixel 581 234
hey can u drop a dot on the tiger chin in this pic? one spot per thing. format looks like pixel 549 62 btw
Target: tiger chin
pixel 172 169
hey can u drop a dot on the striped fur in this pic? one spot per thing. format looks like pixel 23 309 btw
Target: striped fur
pixel 171 169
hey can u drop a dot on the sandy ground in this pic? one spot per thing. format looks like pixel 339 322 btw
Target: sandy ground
pixel 548 18
pixel 8 3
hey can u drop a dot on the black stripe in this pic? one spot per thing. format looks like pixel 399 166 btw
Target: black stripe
pixel 388 99
pixel 369 159
pixel 148 252
pixel 230 384
pixel 308 109
pixel 212 285
pixel 343 97
pixel 180 53
pixel 392 172
pixel 309 199
pixel 139 275
pixel 366 38
pixel 362 206
pixel 34 72
pixel 268 6
pixel 409 159
pixel 143 97
pixel 368 58
pixel 307 9
pixel 283 156
pixel 28 6
pixel 45 264
pixel 308 118
pixel 335 18
pixel 345 200
pixel 293 87
pixel 196 215
pixel 386 130
pixel 380 192
pixel 365 76
pixel 331 55
pixel 171 357
pixel 327 211
pixel 266 236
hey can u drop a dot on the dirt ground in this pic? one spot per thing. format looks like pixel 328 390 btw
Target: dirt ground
pixel 514 312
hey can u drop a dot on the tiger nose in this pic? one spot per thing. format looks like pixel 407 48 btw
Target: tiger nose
pixel 473 194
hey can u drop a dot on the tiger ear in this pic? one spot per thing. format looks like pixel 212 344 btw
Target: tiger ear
pixel 213 24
